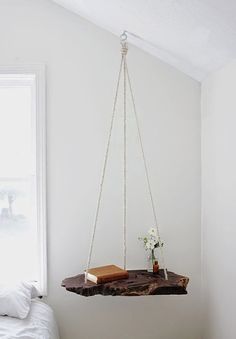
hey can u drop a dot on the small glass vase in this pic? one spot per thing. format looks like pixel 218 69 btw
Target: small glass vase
pixel 151 260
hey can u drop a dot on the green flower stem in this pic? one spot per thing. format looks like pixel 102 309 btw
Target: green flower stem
pixel 153 256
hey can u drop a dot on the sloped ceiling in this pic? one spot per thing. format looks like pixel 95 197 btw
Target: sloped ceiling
pixel 195 36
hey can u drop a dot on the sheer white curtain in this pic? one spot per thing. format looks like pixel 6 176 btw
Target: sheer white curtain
pixel 19 207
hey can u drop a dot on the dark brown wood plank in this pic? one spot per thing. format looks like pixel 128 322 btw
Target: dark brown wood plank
pixel 139 283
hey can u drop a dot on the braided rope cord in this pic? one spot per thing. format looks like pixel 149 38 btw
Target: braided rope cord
pixel 124 52
pixel 104 170
pixel 146 171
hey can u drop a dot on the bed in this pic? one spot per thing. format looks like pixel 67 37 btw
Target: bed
pixel 39 324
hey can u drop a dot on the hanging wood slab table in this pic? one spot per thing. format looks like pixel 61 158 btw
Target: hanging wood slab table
pixel 139 283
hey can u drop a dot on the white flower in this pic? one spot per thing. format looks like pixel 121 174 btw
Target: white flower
pixel 150 244
pixel 147 245
pixel 151 240
pixel 153 232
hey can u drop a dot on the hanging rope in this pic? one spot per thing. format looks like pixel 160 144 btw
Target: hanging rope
pixel 104 171
pixel 124 68
pixel 146 171
pixel 124 51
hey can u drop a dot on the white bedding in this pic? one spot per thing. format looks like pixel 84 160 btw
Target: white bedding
pixel 40 324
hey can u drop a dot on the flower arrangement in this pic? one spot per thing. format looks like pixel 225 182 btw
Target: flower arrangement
pixel 150 242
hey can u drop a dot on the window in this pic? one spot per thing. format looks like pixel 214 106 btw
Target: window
pixel 22 175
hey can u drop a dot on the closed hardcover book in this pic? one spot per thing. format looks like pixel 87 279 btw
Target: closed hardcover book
pixel 103 274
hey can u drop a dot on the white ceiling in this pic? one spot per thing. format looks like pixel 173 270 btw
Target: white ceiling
pixel 195 36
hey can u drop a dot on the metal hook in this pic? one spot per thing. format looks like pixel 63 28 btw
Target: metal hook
pixel 123 37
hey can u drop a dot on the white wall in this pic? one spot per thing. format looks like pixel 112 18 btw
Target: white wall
pixel 218 203
pixel 82 62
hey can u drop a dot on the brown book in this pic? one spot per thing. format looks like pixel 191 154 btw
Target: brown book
pixel 103 274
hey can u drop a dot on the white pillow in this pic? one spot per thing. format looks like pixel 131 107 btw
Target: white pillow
pixel 15 300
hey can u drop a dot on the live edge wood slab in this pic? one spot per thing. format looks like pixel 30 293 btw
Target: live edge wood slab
pixel 139 283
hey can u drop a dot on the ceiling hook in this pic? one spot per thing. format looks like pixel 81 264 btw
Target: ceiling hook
pixel 123 36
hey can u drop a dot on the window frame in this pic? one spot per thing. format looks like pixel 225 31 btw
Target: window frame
pixel 38 71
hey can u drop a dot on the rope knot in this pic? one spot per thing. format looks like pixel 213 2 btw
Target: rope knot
pixel 124 48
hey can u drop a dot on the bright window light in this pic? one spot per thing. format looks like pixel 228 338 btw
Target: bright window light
pixel 22 178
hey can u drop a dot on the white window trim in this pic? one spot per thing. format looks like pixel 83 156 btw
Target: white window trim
pixel 38 70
